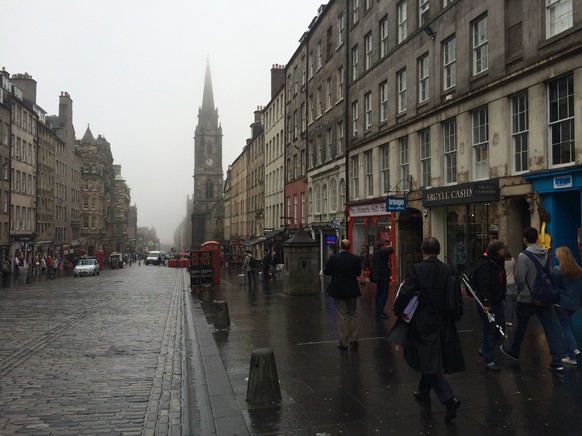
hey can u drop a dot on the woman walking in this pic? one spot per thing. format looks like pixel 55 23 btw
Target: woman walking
pixel 569 278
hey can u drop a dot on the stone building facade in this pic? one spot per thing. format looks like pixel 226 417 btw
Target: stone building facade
pixel 5 122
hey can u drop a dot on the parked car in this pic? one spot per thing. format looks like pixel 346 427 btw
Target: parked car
pixel 86 267
pixel 155 258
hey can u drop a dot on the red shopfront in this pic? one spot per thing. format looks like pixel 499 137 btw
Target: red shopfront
pixel 369 224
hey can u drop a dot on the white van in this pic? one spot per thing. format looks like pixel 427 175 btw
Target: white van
pixel 155 258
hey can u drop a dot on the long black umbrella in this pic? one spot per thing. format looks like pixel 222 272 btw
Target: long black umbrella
pixel 490 316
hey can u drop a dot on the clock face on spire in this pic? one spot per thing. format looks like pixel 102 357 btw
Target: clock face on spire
pixel 209 162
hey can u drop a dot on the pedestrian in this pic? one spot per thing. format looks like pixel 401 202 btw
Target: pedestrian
pixel 526 275
pixel 16 266
pixel 491 282
pixel 266 264
pixel 569 280
pixel 249 267
pixel 381 272
pixel 344 269
pixel 511 292
pixel 6 270
pixel 425 348
pixel 274 264
pixel 364 253
pixel 50 269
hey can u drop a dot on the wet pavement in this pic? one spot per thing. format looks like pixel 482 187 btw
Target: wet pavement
pixel 135 352
pixel 327 391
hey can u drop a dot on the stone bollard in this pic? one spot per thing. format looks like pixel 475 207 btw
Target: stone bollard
pixel 222 319
pixel 263 386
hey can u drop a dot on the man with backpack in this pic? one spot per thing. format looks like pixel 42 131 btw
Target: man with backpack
pixel 531 300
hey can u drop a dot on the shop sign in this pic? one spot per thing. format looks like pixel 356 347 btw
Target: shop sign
pixel 561 182
pixel 396 204
pixel 368 210
pixel 466 193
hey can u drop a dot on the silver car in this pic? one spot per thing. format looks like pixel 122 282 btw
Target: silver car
pixel 86 267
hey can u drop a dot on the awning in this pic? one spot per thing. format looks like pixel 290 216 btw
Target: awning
pixel 271 234
pixel 254 241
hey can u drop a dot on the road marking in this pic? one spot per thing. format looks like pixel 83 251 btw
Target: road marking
pixel 334 341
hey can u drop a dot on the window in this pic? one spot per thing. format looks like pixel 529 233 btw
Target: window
pixel 340 83
pixel 383 36
pixel 303 120
pixel 368 5
pixel 449 63
pixel 368 48
pixel 329 42
pixel 481 143
pixel 356 176
pixel 295 124
pixel 317 198
pixel 561 102
pixel 329 102
pixel 385 167
pixel 450 150
pixel 310 66
pixel 480 46
pixel 355 118
pixel 383 101
pixel 295 209
pixel 341 22
pixel 355 11
pixel 303 70
pixel 340 138
pixel 520 132
pixel 342 190
pixel 333 195
pixel 319 102
pixel 319 153
pixel 424 143
pixel 355 62
pixel 369 173
pixel 311 109
pixel 558 16
pixel 404 167
pixel 295 80
pixel 303 210
pixel 324 196
pixel 401 80
pixel 319 55
pixel 368 104
pixel 401 18
pixel 423 84
pixel 422 12
pixel 329 141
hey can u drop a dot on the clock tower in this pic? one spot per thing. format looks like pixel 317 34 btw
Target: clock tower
pixel 208 203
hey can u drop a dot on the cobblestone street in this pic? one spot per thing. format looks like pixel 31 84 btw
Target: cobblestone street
pixel 93 355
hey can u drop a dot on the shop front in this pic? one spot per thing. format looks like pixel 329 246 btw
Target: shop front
pixel 464 218
pixel 369 224
pixel 560 195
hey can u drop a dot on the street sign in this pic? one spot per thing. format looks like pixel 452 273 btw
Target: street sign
pixel 335 223
pixel 395 204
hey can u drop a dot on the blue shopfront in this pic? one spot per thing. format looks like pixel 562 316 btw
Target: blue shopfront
pixel 561 195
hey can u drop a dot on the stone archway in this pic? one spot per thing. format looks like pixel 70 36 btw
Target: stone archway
pixel 409 240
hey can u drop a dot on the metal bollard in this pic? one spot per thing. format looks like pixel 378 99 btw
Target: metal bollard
pixel 263 386
pixel 222 319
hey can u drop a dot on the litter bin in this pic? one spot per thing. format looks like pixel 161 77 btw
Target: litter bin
pixel 242 279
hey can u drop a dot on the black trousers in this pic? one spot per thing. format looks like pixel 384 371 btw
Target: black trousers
pixel 436 381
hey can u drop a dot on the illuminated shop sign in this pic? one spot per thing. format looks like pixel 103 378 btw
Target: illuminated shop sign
pixel 466 193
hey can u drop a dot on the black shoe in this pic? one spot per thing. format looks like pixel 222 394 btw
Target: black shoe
pixel 342 347
pixel 422 398
pixel 509 353
pixel 452 405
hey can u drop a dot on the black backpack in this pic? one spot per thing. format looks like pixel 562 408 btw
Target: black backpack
pixel 544 290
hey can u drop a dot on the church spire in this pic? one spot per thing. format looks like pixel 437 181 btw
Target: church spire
pixel 208 97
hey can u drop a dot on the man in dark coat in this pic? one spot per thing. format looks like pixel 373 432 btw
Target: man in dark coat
pixel 344 268
pixel 381 272
pixel 491 283
pixel 430 329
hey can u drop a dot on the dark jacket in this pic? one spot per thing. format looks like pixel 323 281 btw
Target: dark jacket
pixel 343 268
pixel 433 343
pixel 570 291
pixel 381 264
pixel 491 281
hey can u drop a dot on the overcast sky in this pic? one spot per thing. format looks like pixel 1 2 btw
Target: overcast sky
pixel 135 71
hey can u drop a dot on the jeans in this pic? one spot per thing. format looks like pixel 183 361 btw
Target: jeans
pixel 381 296
pixel 547 317
pixel 565 318
pixel 490 332
pixel 509 308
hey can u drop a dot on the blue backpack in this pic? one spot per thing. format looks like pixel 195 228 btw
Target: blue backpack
pixel 544 290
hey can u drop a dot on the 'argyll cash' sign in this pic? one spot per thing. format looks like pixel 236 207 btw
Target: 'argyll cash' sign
pixel 466 193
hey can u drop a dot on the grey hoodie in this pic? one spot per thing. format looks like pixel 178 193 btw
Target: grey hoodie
pixel 525 269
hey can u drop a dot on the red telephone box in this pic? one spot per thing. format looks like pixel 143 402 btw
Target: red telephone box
pixel 213 247
pixel 101 259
